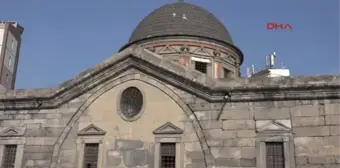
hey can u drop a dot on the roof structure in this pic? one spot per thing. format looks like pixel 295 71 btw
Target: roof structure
pixel 151 64
pixel 180 19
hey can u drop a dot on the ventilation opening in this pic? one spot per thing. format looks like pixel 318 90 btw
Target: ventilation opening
pixel 227 73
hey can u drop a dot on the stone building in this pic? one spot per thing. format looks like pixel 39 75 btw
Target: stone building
pixel 173 97
pixel 10 40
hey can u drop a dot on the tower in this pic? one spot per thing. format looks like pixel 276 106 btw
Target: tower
pixel 10 40
pixel 192 36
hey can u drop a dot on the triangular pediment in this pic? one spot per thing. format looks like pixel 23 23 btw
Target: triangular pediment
pixel 273 126
pixel 168 128
pixel 11 131
pixel 91 130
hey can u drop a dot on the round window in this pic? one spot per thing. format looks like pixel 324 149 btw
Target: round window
pixel 131 102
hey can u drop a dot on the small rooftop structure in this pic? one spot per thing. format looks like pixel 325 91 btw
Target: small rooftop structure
pixel 270 70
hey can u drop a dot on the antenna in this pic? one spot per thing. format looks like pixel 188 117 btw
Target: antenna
pixel 272 59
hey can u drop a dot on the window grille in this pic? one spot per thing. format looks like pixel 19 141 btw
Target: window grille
pixel 168 155
pixel 9 156
pixel 275 155
pixel 201 66
pixel 91 155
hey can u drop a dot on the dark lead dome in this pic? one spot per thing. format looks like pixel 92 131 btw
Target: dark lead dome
pixel 180 19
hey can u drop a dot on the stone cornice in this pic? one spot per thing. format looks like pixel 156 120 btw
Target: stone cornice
pixel 289 88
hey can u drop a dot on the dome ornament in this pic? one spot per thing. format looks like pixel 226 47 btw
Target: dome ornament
pixel 185 48
pixel 217 53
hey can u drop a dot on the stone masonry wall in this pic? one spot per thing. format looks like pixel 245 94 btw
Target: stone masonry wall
pixel 315 125
pixel 232 138
pixel 124 151
pixel 39 130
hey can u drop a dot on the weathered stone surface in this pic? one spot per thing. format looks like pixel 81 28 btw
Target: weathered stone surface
pixel 240 142
pixel 305 111
pixel 308 121
pixel 312 131
pixel 211 124
pixel 231 114
pixel 235 163
pixel 335 130
pixel 331 165
pixel 333 108
pixel 332 119
pixel 321 160
pixel 44 132
pixel 309 166
pixel 246 133
pixel 247 162
pixel 248 152
pixel 224 162
pixel 134 158
pixel 42 163
pixel 193 146
pixel 38 148
pixel 113 161
pixel 195 155
pixel 230 152
pixel 128 144
pixel 12 123
pixel 29 163
pixel 271 113
pixel 219 134
pixel 207 114
pixel 301 160
pixel 190 137
pixel 316 146
pixel 332 141
pixel 41 140
pixel 195 165
pixel 215 143
pixel 188 127
pixel 238 124
pixel 38 156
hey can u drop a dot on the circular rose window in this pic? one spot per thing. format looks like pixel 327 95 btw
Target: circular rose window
pixel 131 102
